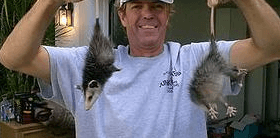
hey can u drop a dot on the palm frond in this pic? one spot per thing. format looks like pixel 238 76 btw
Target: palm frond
pixel 6 11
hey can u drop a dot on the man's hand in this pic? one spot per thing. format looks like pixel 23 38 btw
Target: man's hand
pixel 60 2
pixel 213 3
pixel 67 1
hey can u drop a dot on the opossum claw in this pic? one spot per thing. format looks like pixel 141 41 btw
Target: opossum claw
pixel 212 111
pixel 231 111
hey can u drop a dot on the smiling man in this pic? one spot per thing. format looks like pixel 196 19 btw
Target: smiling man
pixel 149 97
pixel 146 23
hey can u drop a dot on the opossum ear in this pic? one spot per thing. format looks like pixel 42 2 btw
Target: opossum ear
pixel 79 87
pixel 113 68
pixel 93 84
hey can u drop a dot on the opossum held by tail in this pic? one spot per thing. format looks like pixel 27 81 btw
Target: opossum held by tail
pixel 98 66
pixel 207 84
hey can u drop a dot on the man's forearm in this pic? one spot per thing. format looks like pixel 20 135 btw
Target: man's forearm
pixel 264 24
pixel 23 43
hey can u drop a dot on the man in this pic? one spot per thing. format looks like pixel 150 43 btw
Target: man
pixel 149 97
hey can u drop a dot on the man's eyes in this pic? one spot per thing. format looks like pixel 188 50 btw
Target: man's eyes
pixel 136 6
pixel 158 6
pixel 155 6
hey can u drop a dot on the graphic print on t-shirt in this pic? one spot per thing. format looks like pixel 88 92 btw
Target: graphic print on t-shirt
pixel 171 80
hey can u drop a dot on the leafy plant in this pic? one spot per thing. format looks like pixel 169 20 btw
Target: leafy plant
pixel 11 12
pixel 18 82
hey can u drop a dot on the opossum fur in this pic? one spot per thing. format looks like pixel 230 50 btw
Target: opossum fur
pixel 98 66
pixel 207 84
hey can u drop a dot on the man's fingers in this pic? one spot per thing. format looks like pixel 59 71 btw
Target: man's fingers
pixel 213 3
pixel 73 1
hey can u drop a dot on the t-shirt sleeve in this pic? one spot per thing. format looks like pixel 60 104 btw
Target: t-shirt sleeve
pixel 225 50
pixel 65 73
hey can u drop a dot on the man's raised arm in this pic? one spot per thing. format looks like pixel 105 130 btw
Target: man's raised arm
pixel 264 45
pixel 22 51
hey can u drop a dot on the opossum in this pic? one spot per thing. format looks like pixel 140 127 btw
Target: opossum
pixel 98 66
pixel 207 85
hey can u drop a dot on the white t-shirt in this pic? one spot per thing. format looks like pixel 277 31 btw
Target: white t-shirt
pixel 148 98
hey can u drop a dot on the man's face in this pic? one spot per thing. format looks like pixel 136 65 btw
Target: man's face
pixel 145 22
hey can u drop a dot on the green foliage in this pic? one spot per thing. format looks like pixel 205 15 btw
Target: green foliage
pixel 49 38
pixel 18 82
pixel 11 11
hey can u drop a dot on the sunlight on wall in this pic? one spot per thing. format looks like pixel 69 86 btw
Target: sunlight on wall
pixel 83 23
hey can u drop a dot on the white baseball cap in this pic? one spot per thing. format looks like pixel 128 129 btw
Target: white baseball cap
pixel 166 1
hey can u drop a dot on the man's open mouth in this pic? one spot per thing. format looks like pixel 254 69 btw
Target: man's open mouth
pixel 148 27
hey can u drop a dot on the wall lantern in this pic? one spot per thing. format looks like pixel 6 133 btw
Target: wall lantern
pixel 65 15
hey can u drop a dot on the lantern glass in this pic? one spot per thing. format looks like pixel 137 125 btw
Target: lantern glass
pixel 62 18
pixel 65 15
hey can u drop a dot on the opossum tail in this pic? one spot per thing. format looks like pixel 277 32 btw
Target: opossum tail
pixel 213 46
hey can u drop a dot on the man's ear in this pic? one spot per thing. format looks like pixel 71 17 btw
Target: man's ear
pixel 122 18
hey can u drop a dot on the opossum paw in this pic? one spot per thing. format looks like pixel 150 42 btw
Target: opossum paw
pixel 212 111
pixel 231 111
pixel 242 72
pixel 239 77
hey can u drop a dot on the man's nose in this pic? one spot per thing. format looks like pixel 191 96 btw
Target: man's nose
pixel 147 12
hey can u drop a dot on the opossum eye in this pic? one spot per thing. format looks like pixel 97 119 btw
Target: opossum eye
pixel 93 84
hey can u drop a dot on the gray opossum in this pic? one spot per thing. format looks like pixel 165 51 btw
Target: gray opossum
pixel 98 66
pixel 207 84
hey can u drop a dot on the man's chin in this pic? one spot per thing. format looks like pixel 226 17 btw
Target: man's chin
pixel 150 44
pixel 149 41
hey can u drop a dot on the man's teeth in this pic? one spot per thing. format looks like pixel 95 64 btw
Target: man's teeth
pixel 147 27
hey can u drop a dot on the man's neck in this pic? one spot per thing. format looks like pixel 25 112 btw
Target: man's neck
pixel 145 52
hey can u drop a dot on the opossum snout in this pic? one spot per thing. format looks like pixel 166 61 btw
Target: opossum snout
pixel 91 93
